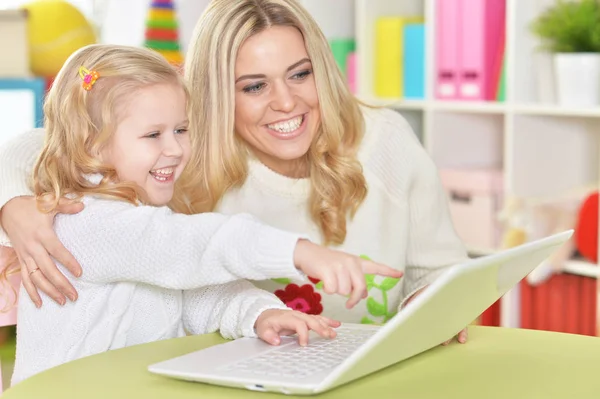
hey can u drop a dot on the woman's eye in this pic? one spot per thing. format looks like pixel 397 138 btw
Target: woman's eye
pixel 181 131
pixel 254 88
pixel 302 75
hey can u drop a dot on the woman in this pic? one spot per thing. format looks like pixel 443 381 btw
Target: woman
pixel 285 140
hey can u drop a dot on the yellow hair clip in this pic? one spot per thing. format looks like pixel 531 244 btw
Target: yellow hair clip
pixel 89 77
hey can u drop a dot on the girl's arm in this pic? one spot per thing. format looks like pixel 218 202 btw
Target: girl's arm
pixel 239 309
pixel 230 308
pixel 116 241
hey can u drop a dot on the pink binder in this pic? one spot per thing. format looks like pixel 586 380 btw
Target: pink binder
pixel 352 72
pixel 447 41
pixel 481 33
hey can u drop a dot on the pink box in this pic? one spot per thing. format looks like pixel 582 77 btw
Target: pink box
pixel 475 199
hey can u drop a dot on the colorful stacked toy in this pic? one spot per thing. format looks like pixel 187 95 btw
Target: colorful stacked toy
pixel 162 34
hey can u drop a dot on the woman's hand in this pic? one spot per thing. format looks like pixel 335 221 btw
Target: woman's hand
pixel 273 323
pixel 33 238
pixel 461 336
pixel 341 273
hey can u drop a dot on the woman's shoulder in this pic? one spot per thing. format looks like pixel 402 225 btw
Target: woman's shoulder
pixel 391 154
pixel 388 138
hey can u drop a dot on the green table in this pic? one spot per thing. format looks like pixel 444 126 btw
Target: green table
pixel 496 363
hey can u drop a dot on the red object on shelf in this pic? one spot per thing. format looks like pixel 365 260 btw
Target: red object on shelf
pixel 586 231
pixel 565 303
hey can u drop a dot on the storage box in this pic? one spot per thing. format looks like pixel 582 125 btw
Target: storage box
pixel 14 44
pixel 475 198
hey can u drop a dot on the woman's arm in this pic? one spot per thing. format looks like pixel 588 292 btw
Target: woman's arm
pixel 17 158
pixel 229 308
pixel 27 230
pixel 117 241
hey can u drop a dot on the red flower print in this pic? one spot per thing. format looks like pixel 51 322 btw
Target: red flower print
pixel 303 299
pixel 315 281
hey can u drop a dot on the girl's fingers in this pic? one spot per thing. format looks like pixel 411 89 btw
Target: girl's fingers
pixel 270 336
pixel 370 267
pixel 344 281
pixel 330 285
pixel 359 289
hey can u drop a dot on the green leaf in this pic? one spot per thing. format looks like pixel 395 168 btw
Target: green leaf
pixel 365 257
pixel 370 280
pixel 388 317
pixel 388 283
pixel 569 27
pixel 319 285
pixel 366 320
pixel 285 281
pixel 375 308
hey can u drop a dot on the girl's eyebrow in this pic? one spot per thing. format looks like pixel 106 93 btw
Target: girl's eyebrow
pixel 261 76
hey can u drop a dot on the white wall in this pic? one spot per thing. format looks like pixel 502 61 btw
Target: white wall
pixel 123 20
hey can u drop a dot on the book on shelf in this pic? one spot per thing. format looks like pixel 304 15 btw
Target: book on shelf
pixel 469 49
pixel 389 54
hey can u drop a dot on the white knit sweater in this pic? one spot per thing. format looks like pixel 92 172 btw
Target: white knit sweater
pixel 404 222
pixel 136 261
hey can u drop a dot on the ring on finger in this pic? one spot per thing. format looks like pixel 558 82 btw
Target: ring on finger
pixel 34 270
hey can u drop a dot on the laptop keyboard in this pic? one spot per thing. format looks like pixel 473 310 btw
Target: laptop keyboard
pixel 299 362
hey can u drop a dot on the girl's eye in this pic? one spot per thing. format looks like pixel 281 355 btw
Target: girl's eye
pixel 302 75
pixel 153 135
pixel 181 131
pixel 254 88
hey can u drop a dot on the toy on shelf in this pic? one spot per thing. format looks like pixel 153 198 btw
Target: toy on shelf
pixel 162 34
pixel 527 219
pixel 52 42
pixel 586 231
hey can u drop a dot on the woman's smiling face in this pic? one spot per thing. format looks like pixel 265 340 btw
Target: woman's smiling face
pixel 276 102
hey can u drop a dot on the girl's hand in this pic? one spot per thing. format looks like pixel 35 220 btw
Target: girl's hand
pixel 273 323
pixel 33 238
pixel 341 273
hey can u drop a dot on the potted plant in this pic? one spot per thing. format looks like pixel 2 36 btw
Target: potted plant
pixel 570 30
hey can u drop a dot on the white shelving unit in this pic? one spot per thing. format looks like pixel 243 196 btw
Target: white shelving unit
pixel 543 149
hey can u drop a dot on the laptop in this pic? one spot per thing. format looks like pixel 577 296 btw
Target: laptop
pixel 447 306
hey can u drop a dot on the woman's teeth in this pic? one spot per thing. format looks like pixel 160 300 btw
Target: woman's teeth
pixel 287 126
pixel 162 174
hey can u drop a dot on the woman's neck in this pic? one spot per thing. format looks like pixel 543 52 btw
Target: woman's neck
pixel 294 169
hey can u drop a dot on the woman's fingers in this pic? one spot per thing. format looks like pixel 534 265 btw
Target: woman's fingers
pixel 67 206
pixel 61 254
pixel 29 287
pixel 37 277
pixel 463 336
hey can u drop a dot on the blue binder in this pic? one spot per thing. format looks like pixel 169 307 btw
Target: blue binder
pixel 414 61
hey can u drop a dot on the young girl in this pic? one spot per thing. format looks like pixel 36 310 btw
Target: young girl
pixel 116 137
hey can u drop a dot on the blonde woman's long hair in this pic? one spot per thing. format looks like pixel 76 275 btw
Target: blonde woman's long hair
pixel 79 123
pixel 220 159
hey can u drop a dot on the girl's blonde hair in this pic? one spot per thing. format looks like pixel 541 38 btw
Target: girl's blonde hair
pixel 220 159
pixel 79 123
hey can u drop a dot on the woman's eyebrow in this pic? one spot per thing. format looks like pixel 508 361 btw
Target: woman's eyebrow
pixel 262 76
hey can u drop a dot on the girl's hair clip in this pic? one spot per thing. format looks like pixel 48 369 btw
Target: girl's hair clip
pixel 88 77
